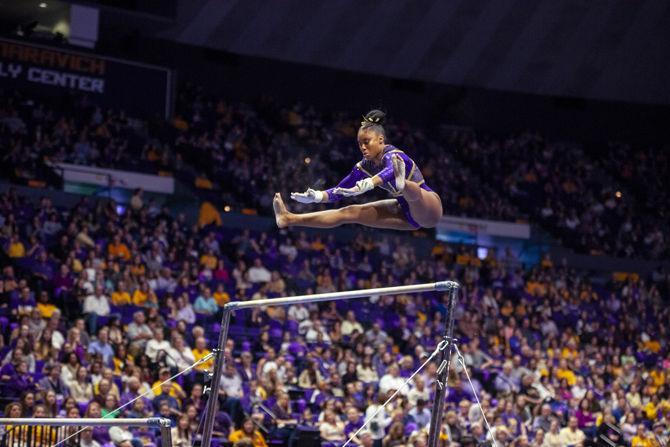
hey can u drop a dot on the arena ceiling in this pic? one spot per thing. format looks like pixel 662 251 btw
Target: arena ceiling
pixel 604 49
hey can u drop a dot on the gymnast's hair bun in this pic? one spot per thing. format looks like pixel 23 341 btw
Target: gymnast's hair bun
pixel 374 117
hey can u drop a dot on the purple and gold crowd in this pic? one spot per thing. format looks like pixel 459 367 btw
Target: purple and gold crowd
pixel 237 154
pixel 609 202
pixel 98 308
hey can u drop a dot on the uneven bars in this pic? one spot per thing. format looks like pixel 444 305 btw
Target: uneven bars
pixel 210 410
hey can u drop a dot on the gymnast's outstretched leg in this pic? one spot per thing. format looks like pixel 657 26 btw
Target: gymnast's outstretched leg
pixel 379 214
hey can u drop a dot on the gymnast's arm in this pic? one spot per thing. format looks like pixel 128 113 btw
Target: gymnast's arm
pixel 356 182
pixel 386 174
pixel 347 182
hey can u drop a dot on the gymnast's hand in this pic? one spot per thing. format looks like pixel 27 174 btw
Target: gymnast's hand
pixel 309 196
pixel 362 186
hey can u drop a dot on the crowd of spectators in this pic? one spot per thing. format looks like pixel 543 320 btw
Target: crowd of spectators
pixel 610 203
pixel 98 307
pixel 72 129
pixel 645 171
pixel 241 154
pixel 244 153
pixel 263 149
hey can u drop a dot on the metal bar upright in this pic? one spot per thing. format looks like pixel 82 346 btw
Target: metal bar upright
pixel 219 360
pixel 441 381
pixel 166 434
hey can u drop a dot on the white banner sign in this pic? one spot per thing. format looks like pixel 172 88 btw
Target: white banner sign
pixel 481 226
pixel 115 178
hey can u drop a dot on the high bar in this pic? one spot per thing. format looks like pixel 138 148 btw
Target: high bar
pixel 439 286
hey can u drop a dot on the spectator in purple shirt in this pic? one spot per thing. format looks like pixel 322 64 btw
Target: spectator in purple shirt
pixel 24 303
pixel 19 381
pixel 586 420
pixel 354 421
pixel 11 363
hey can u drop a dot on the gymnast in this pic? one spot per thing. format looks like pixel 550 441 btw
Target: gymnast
pixel 414 205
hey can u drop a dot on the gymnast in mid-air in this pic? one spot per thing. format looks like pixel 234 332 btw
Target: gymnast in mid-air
pixel 414 205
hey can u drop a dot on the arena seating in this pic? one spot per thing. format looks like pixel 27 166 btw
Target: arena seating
pixel 240 154
pixel 97 307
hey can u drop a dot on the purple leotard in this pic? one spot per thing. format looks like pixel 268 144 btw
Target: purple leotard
pixel 367 168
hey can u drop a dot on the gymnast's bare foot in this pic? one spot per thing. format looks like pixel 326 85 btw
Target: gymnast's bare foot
pixel 398 172
pixel 282 214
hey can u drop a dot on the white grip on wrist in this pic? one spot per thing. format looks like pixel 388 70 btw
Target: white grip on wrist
pixel 309 196
pixel 365 185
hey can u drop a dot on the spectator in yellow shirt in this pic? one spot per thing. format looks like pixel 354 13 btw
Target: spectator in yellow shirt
pixel 564 372
pixel 202 182
pixel 121 297
pixel 118 249
pixel 318 245
pixel 438 250
pixel 650 409
pixel 176 390
pixel 221 296
pixel 570 350
pixel 248 432
pixel 535 288
pixel 199 352
pixel 651 345
pixel 507 308
pixel 137 269
pixel 208 215
pixel 143 295
pixel 658 375
pixel 16 248
pixel 463 258
pixel 46 308
pixel 209 260
pixel 641 438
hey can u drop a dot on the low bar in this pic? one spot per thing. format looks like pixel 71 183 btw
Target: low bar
pixel 163 424
pixel 146 422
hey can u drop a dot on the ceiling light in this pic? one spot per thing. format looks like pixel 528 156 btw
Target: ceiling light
pixel 43 5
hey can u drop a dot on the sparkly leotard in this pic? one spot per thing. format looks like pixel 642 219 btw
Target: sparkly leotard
pixel 367 168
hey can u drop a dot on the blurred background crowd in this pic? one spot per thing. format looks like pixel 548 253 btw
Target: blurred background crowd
pixel 100 307
pixel 610 200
